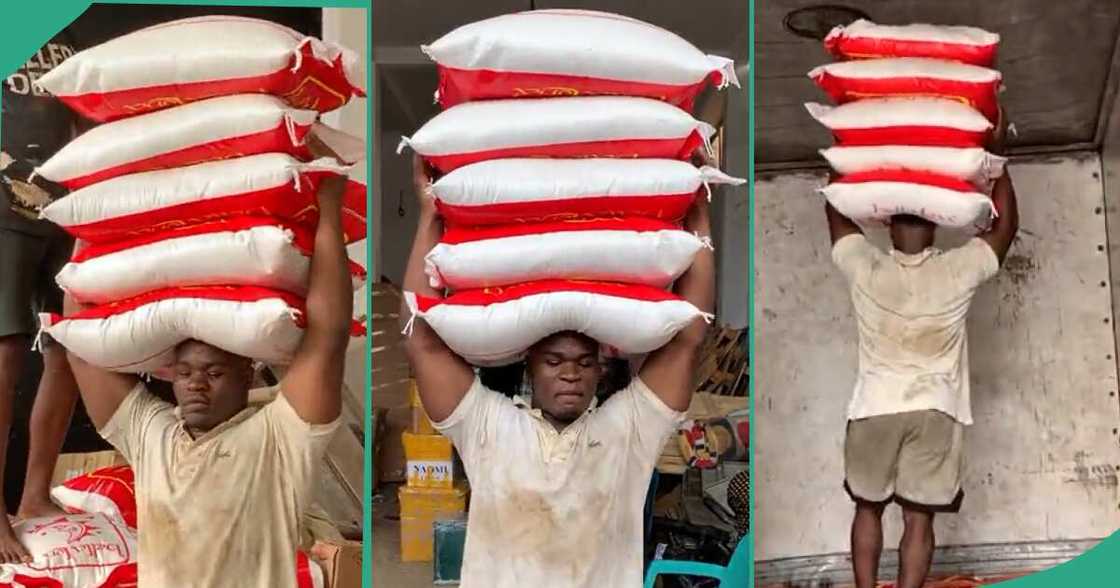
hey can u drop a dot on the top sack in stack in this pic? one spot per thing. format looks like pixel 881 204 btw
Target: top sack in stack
pixel 555 53
pixel 184 61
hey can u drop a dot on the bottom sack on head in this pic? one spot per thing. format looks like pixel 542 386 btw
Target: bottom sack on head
pixel 140 334
pixel 879 195
pixel 73 551
pixel 495 326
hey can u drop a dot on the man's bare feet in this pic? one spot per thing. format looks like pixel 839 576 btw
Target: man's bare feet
pixel 30 508
pixel 11 550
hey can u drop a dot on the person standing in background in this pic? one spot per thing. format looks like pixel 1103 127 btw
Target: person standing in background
pixel 32 251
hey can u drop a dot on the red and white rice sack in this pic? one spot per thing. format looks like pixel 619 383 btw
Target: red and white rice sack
pixel 864 39
pixel 243 251
pixel 972 164
pixel 535 190
pixel 548 53
pixel 495 326
pixel 270 184
pixel 174 63
pixel 911 77
pixel 73 551
pixel 109 491
pixel 629 250
pixel 214 129
pixel 140 334
pixel 879 195
pixel 582 127
pixel 930 122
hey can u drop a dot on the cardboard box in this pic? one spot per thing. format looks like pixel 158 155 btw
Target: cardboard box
pixel 70 465
pixel 341 562
pixel 429 460
pixel 420 509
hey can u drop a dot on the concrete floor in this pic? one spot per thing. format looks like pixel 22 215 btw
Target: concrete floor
pixel 388 569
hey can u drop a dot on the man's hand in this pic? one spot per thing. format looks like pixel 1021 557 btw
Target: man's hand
pixel 997 139
pixel 423 176
pixel 669 372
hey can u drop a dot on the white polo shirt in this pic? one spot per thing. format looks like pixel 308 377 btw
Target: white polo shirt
pixel 223 509
pixel 557 509
pixel 911 312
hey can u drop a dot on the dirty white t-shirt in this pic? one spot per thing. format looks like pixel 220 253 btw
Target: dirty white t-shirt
pixel 222 509
pixel 911 312
pixel 557 509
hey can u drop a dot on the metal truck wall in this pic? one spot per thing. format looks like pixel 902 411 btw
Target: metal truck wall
pixel 1042 458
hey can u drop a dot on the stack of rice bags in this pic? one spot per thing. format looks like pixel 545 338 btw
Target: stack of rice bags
pixel 565 143
pixel 196 199
pixel 916 105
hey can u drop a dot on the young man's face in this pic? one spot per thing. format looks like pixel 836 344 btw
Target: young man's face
pixel 210 385
pixel 565 373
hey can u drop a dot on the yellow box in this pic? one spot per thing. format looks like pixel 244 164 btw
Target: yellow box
pixel 420 509
pixel 421 424
pixel 429 462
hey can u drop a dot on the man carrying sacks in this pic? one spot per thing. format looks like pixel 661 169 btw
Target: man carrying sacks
pixel 558 486
pixel 221 487
pixel 911 400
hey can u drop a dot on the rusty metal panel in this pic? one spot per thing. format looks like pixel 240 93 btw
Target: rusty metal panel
pixel 1042 458
pixel 1055 66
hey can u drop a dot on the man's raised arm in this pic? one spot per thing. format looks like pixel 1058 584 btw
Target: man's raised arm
pixel 102 391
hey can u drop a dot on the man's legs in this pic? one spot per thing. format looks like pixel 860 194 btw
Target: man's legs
pixel 915 552
pixel 867 543
pixel 13 349
pixel 50 419
pixel 56 396
pixel 21 256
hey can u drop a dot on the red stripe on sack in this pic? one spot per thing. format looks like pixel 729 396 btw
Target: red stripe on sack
pixel 219 226
pixel 467 85
pixel 671 207
pixel 871 48
pixel 225 293
pixel 315 86
pixel 677 148
pixel 115 483
pixel 498 294
pixel 908 177
pixel 460 234
pixel 271 141
pixel 282 201
pixel 917 135
pixel 303 571
pixel 980 96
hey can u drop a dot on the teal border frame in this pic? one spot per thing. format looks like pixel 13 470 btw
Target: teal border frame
pixel 37 23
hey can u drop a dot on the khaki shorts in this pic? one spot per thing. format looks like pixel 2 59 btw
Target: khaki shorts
pixel 912 458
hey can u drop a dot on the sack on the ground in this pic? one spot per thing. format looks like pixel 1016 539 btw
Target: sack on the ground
pixel 73 551
pixel 910 77
pixel 534 190
pixel 140 334
pixel 549 53
pixel 209 130
pixel 864 39
pixel 243 251
pixel 183 61
pixel 627 250
pixel 880 195
pixel 109 491
pixel 930 122
pixel 584 127
pixel 270 184
pixel 973 165
pixel 495 326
